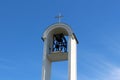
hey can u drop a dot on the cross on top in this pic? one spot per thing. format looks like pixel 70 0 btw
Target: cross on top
pixel 59 17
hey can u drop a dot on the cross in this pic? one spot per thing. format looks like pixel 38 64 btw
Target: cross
pixel 59 17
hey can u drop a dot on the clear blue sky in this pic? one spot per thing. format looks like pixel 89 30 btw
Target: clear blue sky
pixel 96 24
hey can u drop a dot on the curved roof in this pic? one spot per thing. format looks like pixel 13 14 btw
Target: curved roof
pixel 56 26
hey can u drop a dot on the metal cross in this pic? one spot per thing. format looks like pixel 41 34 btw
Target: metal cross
pixel 59 17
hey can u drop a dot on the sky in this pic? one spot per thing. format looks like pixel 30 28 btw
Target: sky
pixel 96 24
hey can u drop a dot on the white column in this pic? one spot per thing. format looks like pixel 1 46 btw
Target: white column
pixel 72 66
pixel 46 67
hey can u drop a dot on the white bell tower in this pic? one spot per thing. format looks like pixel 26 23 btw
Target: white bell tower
pixel 60 43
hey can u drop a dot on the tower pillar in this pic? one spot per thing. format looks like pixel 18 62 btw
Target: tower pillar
pixel 72 60
pixel 46 66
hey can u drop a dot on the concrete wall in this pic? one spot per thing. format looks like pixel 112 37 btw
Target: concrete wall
pixel 47 37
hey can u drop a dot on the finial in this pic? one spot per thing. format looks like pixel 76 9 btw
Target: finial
pixel 59 17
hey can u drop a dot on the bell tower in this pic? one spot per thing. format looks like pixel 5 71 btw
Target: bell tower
pixel 60 44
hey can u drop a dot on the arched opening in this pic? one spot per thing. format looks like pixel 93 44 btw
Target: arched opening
pixel 59 40
pixel 58 44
